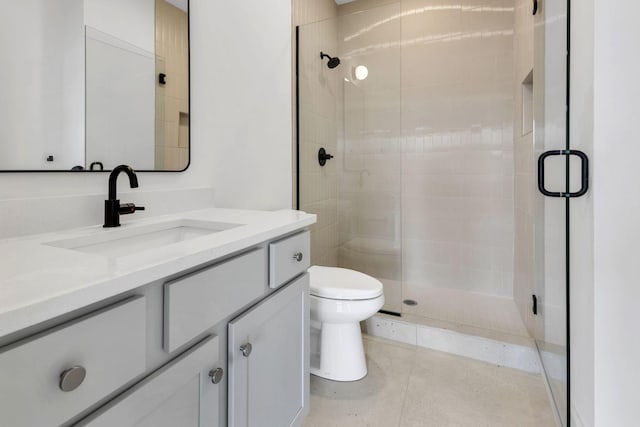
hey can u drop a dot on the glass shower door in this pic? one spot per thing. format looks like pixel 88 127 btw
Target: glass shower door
pixel 562 176
pixel 369 148
pixel 352 110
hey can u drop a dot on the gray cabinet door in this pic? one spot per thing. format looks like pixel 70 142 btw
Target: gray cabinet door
pixel 269 384
pixel 179 394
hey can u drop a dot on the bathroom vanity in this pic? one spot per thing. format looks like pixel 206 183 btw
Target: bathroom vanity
pixel 197 319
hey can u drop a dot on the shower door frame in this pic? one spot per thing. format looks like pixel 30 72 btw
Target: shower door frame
pixel 567 215
pixel 297 117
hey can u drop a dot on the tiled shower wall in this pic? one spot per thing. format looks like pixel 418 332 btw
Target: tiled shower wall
pixel 524 176
pixel 370 159
pixel 318 124
pixel 441 175
pixel 457 111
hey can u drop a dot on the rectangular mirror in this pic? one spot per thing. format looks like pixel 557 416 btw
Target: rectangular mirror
pixel 91 84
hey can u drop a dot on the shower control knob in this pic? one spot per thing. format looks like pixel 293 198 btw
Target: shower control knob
pixel 298 256
pixel 216 375
pixel 246 349
pixel 323 156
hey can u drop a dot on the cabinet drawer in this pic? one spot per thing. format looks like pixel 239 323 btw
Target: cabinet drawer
pixel 180 394
pixel 109 345
pixel 198 301
pixel 288 258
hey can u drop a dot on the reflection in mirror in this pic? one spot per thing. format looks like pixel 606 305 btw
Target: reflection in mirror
pixel 172 85
pixel 94 83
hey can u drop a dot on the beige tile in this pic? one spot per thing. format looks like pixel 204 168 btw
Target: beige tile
pixel 173 160
pixel 376 400
pixel 183 131
pixel 446 390
pixel 159 157
pixel 412 387
pixel 478 311
pixel 453 86
pixel 171 134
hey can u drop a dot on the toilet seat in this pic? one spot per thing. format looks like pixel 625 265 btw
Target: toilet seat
pixel 342 284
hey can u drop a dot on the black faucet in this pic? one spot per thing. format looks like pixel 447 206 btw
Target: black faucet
pixel 112 207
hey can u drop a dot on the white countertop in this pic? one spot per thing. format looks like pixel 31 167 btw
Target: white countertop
pixel 39 282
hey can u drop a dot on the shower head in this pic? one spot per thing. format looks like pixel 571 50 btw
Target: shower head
pixel 333 62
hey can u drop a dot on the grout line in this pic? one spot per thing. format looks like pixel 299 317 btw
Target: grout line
pixel 406 391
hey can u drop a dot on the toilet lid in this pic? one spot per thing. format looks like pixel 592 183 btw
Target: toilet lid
pixel 342 283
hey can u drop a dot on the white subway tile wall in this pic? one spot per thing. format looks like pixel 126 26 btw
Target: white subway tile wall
pixel 319 94
pixel 369 147
pixel 457 123
pixel 524 213
pixel 424 178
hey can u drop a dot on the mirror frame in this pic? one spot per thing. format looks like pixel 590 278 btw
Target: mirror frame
pixel 21 171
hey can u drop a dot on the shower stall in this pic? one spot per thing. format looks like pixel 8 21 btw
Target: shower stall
pixel 419 127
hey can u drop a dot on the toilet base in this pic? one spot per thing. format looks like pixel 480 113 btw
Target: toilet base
pixel 341 353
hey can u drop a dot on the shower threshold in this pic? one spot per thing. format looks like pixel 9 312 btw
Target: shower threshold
pixel 490 346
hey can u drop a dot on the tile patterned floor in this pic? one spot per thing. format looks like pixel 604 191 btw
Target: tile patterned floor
pixel 414 387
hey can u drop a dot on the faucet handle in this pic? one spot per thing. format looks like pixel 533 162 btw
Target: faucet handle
pixel 129 208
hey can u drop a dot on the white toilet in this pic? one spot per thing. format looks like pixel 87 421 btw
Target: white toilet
pixel 340 299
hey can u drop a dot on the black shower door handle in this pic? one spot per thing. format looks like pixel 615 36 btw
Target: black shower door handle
pixel 584 187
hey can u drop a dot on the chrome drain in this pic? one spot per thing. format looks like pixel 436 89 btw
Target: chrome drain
pixel 410 302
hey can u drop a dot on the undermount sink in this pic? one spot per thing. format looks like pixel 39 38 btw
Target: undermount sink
pixel 130 240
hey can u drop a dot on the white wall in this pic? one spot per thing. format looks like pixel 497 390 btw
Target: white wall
pixel 129 20
pixel 229 122
pixel 616 203
pixel 41 89
pixel 250 86
pixel 120 82
pixel 73 140
pixel 605 230
pixel 44 42
pixel 582 284
pixel 120 102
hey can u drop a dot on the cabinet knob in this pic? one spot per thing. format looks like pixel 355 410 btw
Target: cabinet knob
pixel 298 256
pixel 216 375
pixel 72 378
pixel 246 349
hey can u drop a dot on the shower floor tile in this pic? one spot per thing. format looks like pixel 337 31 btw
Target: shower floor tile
pixel 413 387
pixel 489 312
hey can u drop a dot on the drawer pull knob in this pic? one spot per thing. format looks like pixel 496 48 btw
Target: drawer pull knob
pixel 216 375
pixel 72 378
pixel 298 256
pixel 246 349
